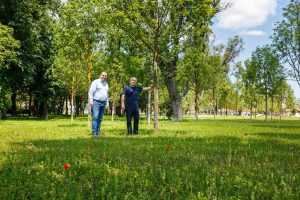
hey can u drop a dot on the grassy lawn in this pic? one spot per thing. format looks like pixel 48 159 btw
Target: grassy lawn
pixel 226 158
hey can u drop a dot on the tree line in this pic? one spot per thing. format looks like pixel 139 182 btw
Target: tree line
pixel 51 50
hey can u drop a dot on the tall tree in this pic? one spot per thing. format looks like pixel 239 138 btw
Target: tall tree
pixel 289 97
pixel 157 27
pixel 268 72
pixel 195 70
pixel 247 74
pixel 222 57
pixel 8 46
pixel 69 72
pixel 32 27
pixel 286 38
pixel 76 37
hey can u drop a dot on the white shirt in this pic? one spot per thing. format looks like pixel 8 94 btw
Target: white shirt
pixel 98 90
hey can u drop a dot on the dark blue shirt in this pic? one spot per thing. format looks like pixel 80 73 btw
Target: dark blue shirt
pixel 131 95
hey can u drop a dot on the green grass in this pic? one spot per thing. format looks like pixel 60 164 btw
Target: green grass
pixel 227 158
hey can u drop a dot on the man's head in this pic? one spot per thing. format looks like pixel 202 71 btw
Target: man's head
pixel 133 81
pixel 103 76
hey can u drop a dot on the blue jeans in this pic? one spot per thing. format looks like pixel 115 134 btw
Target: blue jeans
pixel 132 112
pixel 97 115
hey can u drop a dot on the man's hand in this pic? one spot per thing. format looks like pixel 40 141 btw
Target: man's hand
pixel 91 104
pixel 152 86
pixel 107 108
pixel 123 107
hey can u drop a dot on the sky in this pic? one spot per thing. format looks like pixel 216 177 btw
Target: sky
pixel 253 21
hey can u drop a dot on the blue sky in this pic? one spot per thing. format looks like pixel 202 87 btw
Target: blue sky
pixel 252 20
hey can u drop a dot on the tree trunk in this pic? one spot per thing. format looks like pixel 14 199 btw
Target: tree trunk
pixel 155 91
pixel 60 106
pixel 196 103
pixel 113 110
pixel 266 102
pixel 272 107
pixel 73 93
pixel 236 103
pixel 280 104
pixel 72 106
pixel 175 98
pixel 67 109
pixel 43 111
pixel 256 105
pixel 169 75
pixel 14 104
pixel 77 105
pixel 89 81
pixel 155 71
pixel 217 106
pixel 30 104
pixel 149 108
pixel 251 108
pixel 214 107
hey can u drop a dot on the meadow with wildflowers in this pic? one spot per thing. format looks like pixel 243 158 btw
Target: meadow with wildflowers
pixel 226 158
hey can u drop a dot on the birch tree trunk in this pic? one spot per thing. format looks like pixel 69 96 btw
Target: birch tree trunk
pixel 149 108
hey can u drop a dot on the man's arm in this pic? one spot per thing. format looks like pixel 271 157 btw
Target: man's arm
pixel 123 102
pixel 107 103
pixel 148 88
pixel 91 94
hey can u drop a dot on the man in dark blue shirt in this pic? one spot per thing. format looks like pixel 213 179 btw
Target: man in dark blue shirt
pixel 130 104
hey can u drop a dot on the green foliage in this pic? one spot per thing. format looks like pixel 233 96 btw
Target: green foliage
pixel 8 47
pixel 32 24
pixel 286 38
pixel 157 27
pixel 209 159
pixel 268 70
pixel 165 104
pixel 202 71
pixel 247 75
pixel 48 47
pixel 76 38
pixel 195 69
pixel 289 95
pixel 7 44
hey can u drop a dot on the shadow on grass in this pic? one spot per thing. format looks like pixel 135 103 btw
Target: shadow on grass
pixel 288 124
pixel 268 136
pixel 285 125
pixel 71 125
pixel 50 117
pixel 150 167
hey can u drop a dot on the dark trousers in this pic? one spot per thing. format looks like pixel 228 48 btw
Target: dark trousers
pixel 132 112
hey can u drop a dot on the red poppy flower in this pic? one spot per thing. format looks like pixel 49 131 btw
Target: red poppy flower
pixel 89 153
pixel 89 144
pixel 169 147
pixel 180 132
pixel 67 166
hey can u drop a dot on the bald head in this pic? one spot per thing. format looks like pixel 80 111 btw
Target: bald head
pixel 103 76
pixel 133 81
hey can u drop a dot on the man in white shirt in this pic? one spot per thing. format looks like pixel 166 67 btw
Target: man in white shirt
pixel 98 100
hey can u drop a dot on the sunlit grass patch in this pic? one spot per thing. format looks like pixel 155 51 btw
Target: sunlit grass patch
pixel 215 159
